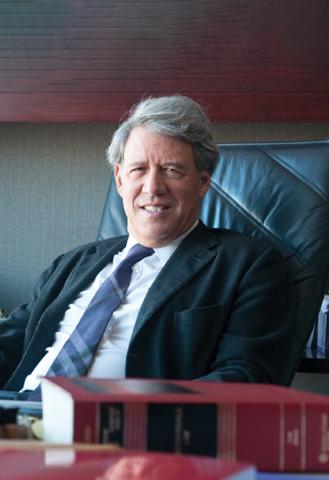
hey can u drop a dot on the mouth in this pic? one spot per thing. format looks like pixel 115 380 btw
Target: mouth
pixel 154 208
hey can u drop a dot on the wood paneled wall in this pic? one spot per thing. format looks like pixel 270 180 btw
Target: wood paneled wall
pixel 89 60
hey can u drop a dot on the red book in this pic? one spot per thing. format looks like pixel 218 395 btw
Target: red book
pixel 74 464
pixel 276 428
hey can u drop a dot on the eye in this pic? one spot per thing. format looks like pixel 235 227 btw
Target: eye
pixel 136 171
pixel 172 172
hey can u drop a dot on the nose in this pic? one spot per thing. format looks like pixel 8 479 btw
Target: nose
pixel 154 183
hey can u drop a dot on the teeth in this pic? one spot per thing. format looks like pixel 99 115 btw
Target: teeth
pixel 150 208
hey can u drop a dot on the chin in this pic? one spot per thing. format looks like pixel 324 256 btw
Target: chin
pixel 154 240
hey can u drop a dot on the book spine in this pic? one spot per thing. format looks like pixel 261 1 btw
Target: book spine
pixel 275 437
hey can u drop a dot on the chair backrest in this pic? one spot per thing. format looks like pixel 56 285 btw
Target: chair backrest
pixel 275 190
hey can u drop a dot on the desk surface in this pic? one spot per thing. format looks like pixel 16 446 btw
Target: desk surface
pixel 29 408
pixel 314 361
pixel 292 476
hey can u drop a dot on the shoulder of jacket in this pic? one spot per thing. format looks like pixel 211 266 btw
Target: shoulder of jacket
pixel 96 247
pixel 234 239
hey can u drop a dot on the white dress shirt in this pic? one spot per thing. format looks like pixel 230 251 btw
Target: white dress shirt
pixel 110 358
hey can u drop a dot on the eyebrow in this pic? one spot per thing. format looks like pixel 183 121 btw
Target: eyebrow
pixel 174 163
pixel 134 164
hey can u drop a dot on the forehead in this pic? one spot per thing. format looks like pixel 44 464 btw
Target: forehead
pixel 145 144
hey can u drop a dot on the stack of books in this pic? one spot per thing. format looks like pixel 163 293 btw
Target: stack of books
pixel 276 428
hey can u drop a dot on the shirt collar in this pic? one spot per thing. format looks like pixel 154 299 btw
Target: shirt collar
pixel 165 252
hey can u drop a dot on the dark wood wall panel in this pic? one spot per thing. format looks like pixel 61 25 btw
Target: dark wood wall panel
pixel 89 60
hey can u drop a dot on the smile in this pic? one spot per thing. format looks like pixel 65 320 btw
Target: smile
pixel 152 208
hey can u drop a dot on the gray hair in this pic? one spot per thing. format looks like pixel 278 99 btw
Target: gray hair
pixel 176 116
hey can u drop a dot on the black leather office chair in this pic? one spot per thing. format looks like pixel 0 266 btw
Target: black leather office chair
pixel 275 190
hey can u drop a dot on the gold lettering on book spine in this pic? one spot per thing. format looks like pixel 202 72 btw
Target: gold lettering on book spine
pixel 226 431
pixel 323 457
pixel 282 428
pixel 303 438
pixel 179 414
pixel 135 426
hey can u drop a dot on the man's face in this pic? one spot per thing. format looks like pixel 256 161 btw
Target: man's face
pixel 160 186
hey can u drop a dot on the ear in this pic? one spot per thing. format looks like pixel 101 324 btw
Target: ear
pixel 204 183
pixel 118 178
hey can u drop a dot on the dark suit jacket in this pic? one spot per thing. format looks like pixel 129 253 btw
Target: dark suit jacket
pixel 218 310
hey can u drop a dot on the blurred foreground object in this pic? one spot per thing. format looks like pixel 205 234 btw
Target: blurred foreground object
pixel 70 463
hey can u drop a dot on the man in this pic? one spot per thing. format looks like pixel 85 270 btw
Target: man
pixel 204 304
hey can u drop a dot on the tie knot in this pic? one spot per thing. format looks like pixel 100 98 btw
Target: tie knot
pixel 136 253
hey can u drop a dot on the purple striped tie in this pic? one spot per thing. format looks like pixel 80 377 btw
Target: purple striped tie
pixel 76 355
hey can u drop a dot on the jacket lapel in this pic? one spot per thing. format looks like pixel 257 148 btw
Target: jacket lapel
pixel 86 271
pixel 78 280
pixel 193 254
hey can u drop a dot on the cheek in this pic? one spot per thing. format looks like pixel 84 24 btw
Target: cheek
pixel 129 193
pixel 191 193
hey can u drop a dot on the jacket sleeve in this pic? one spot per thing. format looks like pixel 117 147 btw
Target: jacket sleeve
pixel 12 330
pixel 256 342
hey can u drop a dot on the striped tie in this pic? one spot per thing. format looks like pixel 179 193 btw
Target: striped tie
pixel 76 355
